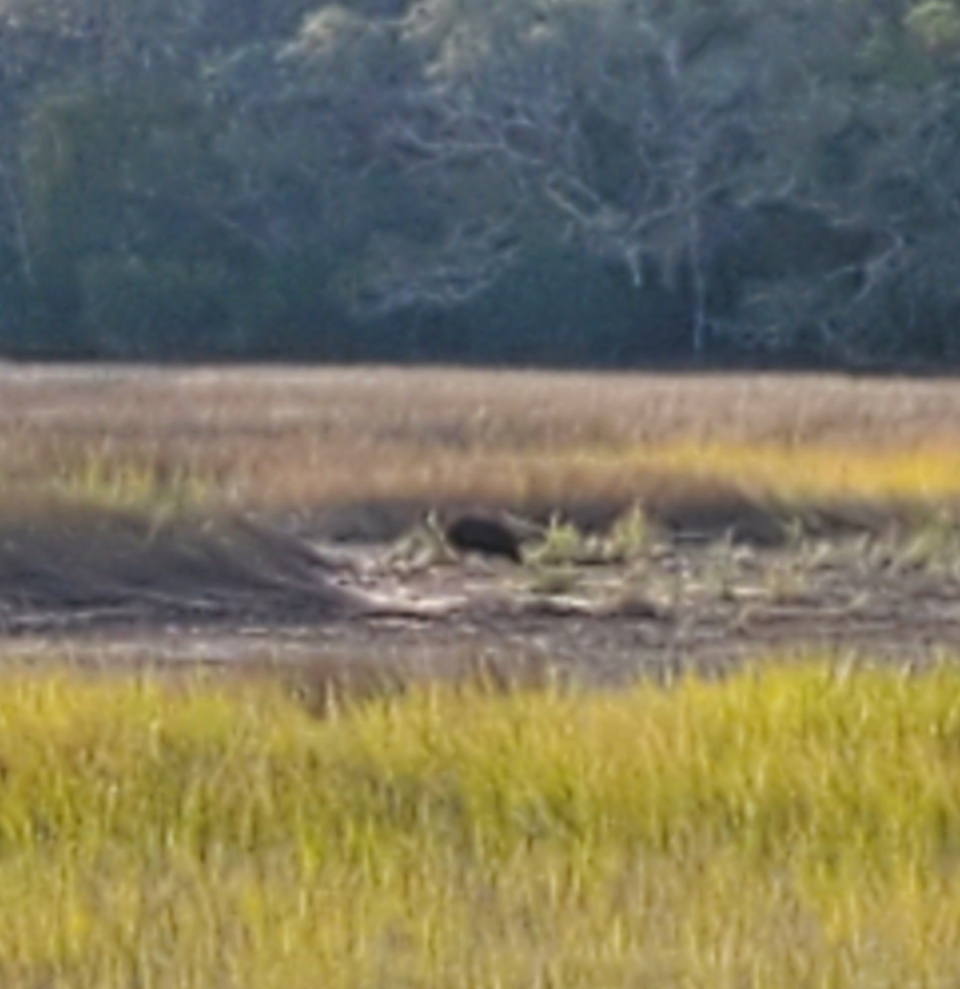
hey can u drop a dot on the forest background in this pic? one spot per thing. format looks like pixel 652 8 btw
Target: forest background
pixel 605 183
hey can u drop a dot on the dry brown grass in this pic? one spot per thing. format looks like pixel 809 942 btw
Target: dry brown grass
pixel 279 438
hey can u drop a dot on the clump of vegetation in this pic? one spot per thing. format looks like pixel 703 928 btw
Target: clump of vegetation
pixel 562 544
pixel 630 536
pixel 146 483
pixel 791 826
pixel 555 560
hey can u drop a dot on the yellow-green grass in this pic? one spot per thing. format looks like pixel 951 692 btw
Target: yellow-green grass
pixel 791 826
pixel 779 476
pixel 928 473
pixel 283 438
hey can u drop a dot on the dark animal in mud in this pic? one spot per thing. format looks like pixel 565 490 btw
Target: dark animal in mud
pixel 481 534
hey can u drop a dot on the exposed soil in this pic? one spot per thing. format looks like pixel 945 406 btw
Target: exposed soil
pixel 117 590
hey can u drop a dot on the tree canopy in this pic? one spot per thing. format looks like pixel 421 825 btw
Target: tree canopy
pixel 547 181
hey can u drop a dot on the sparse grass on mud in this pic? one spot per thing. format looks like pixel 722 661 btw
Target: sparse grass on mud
pixel 787 827
pixel 281 438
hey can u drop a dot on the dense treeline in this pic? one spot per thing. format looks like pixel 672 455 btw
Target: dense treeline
pixel 538 181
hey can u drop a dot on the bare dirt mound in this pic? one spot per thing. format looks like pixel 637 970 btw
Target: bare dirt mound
pixel 92 565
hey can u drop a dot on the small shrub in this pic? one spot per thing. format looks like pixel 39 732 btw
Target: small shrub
pixel 563 543
pixel 630 536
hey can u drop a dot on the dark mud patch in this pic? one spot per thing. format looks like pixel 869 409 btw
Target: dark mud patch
pixel 95 566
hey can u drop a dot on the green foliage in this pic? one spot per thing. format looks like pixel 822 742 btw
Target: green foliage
pixel 936 23
pixel 591 182
pixel 102 161
pixel 287 308
pixel 128 263
pixel 134 308
pixel 560 304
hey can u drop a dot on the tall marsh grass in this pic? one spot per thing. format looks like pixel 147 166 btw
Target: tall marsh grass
pixel 280 438
pixel 778 476
pixel 792 826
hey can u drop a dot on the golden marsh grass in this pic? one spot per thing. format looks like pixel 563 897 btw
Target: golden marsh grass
pixel 792 826
pixel 280 438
